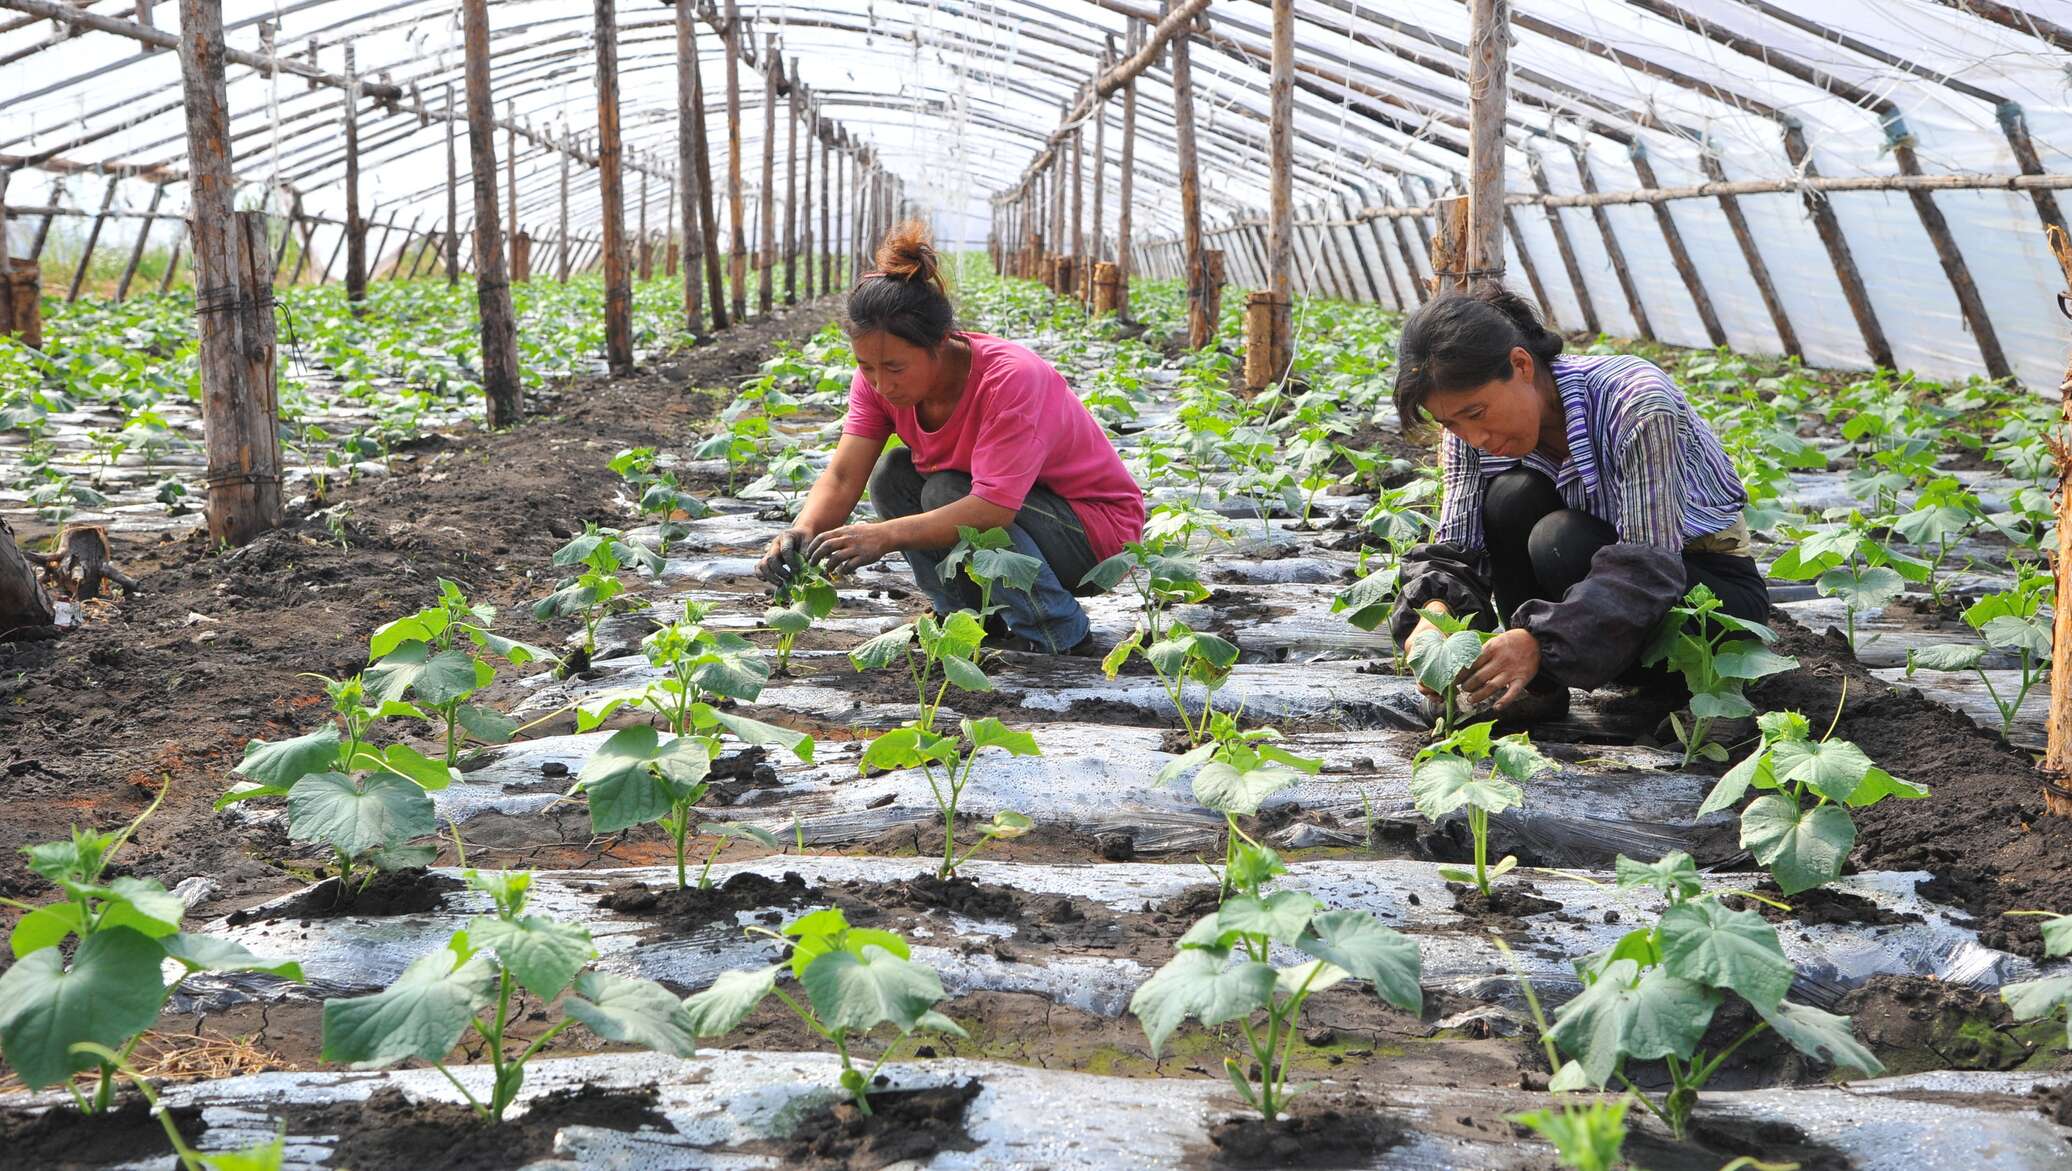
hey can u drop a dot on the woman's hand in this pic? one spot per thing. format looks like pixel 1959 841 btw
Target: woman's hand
pixel 1508 662
pixel 850 547
pixel 783 554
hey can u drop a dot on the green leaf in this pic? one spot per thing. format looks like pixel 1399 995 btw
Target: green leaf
pixel 1618 1016
pixel 1226 789
pixel 632 1011
pixel 2030 1000
pixel 421 1015
pixel 1312 977
pixel 634 777
pixel 1200 982
pixel 1947 657
pixel 1802 848
pixel 1729 790
pixel 281 764
pixel 736 675
pixel 2025 634
pixel 206 953
pixel 720 1008
pixel 740 831
pixel 1005 567
pixel 857 992
pixel 266 1156
pixel 110 993
pixel 510 649
pixel 2057 936
pixel 412 668
pixel 542 955
pixel 964 674
pixel 1112 662
pixel 1833 768
pixel 1711 945
pixel 1441 784
pixel 748 731
pixel 1517 759
pixel 355 816
pixel 1359 943
pixel 884 650
pixel 1108 574
pixel 1281 916
pixel 989 732
pixel 485 724
pixel 430 775
pixel 140 903
pixel 1823 1035
pixel 1750 660
pixel 46 926
pixel 424 626
pixel 1879 784
pixel 1674 874
pixel 906 747
pixel 1437 660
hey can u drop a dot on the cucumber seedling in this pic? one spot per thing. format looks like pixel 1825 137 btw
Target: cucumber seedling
pixel 912 746
pixel 855 979
pixel 806 596
pixel 597 590
pixel 1440 656
pixel 439 657
pixel 988 557
pixel 2017 621
pixel 473 983
pixel 2049 998
pixel 937 655
pixel 1444 777
pixel 1718 655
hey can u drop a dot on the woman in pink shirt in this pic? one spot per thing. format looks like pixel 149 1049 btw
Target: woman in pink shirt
pixel 992 438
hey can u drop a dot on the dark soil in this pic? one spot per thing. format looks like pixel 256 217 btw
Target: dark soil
pixel 390 1130
pixel 1983 831
pixel 1713 1142
pixel 1820 906
pixel 98 719
pixel 61 1138
pixel 1505 900
pixel 392 892
pixel 1310 1136
pixel 678 910
pixel 1913 1022
pixel 903 1125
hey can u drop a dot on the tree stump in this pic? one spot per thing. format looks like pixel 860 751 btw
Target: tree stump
pixel 1107 288
pixel 24 605
pixel 521 257
pixel 83 563
pixel 21 301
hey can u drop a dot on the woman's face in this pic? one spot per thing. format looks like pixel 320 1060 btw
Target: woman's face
pixel 1501 417
pixel 896 368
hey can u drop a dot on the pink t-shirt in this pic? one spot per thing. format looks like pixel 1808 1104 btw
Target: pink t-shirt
pixel 1017 426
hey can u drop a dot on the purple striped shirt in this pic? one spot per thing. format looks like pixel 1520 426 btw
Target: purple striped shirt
pixel 1639 459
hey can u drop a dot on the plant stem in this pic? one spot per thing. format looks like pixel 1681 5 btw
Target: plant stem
pixel 1478 824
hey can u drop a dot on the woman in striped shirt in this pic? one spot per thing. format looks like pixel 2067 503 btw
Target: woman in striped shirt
pixel 1583 498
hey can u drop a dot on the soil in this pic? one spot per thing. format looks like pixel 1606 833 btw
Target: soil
pixel 61 1138
pixel 1712 1142
pixel 391 892
pixel 1983 832
pixel 677 910
pixel 1819 906
pixel 1312 1135
pixel 390 1130
pixel 1507 902
pixel 1913 1022
pixel 169 685
pixel 903 1126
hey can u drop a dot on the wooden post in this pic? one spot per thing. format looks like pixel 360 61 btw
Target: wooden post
pixel 791 186
pixel 1532 271
pixel 308 235
pixel 1563 246
pixel 492 285
pixel 737 255
pixel 806 203
pixel 2057 756
pixel 1078 198
pixel 519 270
pixel 1829 230
pixel 452 196
pixel 1125 182
pixel 129 271
pixel 1488 92
pixel 645 250
pixel 561 237
pixel 705 257
pixel 172 265
pixel 1685 268
pixel 691 164
pixel 1098 253
pixel 1634 304
pixel 1449 244
pixel 521 256
pixel 1787 337
pixel 827 198
pixel 1201 326
pixel 233 300
pixel 1269 339
pixel 93 236
pixel 611 184
pixel 355 227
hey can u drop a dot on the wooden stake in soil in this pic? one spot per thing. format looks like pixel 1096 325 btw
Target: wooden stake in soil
pixel 452 197
pixel 355 227
pixel 520 266
pixel 2057 756
pixel 773 74
pixel 791 187
pixel 1449 244
pixel 1488 94
pixel 492 286
pixel 129 271
pixel 687 166
pixel 1269 338
pixel 706 255
pixel 611 182
pixel 1201 326
pixel 737 255
pixel 1125 186
pixel 93 236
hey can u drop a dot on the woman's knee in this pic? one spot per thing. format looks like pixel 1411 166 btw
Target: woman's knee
pixel 895 485
pixel 1514 503
pixel 1562 544
pixel 943 489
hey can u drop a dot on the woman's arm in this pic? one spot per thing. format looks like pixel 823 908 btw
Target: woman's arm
pixel 828 503
pixel 851 547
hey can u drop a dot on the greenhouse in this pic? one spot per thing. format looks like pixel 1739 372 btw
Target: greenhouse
pixel 1073 584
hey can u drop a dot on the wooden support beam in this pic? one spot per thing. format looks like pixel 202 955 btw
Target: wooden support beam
pixel 1125 186
pixel 827 196
pixel 1488 96
pixel 1634 304
pixel 233 301
pixel 2057 756
pixel 1829 229
pixel 452 198
pixel 1787 337
pixel 355 227
pixel 1567 249
pixel 1099 252
pixel 500 383
pixel 1532 271
pixel 766 269
pixel 1269 337
pixel 172 264
pixel 806 206
pixel 1201 326
pixel 611 181
pixel 561 237
pixel 737 254
pixel 696 196
pixel 1678 254
pixel 93 237
pixel 791 187
pixel 707 257
pixel 517 270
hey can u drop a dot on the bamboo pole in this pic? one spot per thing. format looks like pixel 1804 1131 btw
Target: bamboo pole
pixel 1730 205
pixel 233 301
pixel 1100 168
pixel 806 203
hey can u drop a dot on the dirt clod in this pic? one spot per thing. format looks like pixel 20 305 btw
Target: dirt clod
pixel 675 909
pixel 903 1126
pixel 61 1138
pixel 1307 1138
pixel 388 1129
pixel 392 892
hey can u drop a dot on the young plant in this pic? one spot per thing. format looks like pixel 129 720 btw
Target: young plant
pixel 596 591
pixel 1237 770
pixel 1443 778
pixel 929 648
pixel 1800 827
pixel 473 983
pixel 1367 602
pixel 1843 559
pixel 912 746
pixel 61 1016
pixel 1588 1138
pixel 361 802
pixel 1222 973
pixel 2016 620
pixel 266 1156
pixel 1439 657
pixel 855 979
pixel 1183 656
pixel 806 597
pixel 2049 998
pixel 1944 514
pixel 1651 995
pixel 1160 580
pixel 426 657
pixel 1718 655
pixel 988 557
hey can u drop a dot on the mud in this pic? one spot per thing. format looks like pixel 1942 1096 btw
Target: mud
pixel 60 1138
pixel 1312 1135
pixel 391 892
pixel 388 1129
pixel 903 1126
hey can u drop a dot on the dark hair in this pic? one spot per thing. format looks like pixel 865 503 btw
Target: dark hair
pixel 1461 340
pixel 906 296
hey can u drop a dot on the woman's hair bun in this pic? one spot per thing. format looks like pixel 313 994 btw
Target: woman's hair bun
pixel 906 254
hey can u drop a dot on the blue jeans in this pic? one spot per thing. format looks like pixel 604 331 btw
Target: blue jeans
pixel 1046 528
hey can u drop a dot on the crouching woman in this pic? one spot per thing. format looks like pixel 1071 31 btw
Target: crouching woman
pixel 991 437
pixel 1583 497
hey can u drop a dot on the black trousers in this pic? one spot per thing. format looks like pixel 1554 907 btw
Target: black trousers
pixel 1539 547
